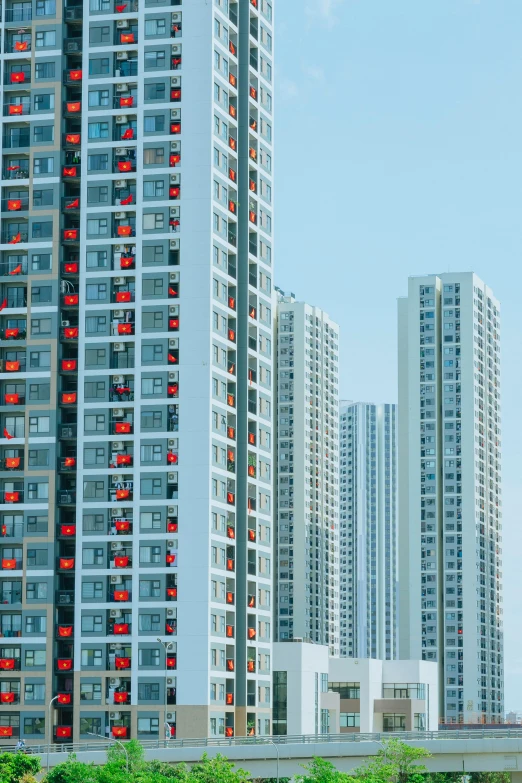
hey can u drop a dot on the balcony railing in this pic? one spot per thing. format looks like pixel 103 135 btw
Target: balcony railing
pixel 9 235
pixel 18 14
pixel 13 141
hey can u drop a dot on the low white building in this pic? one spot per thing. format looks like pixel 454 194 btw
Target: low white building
pixel 318 694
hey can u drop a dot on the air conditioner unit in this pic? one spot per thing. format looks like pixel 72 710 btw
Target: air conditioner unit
pixel 170 612
pixel 174 179
pixel 120 215
pixel 117 479
pixel 122 56
pixel 121 24
pixel 119 314
pixel 114 681
pixel 171 511
pixel 118 412
pixel 119 249
pixel 174 244
pixel 117 512
pixel 115 715
pixel 121 119
pixel 175 146
pixel 118 378
pixel 118 347
pixel 116 580
pixel 172 478
pixel 174 310
pixel 172 443
pixel 175 81
pixel 170 681
pixel 171 715
pixel 121 150
pixel 174 277
pixel 176 17
pixel 116 613
pixel 176 48
pixel 173 343
pixel 173 376
pixel 116 545
pixel 117 445
pixel 122 87
pixel 67 432
pixel 119 281
pixel 175 114
pixel 66 323
pixel 174 212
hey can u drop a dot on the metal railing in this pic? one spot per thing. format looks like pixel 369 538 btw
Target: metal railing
pixel 297 739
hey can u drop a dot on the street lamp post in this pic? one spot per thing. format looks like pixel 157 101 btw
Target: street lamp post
pixel 49 728
pixel 166 646
pixel 116 742
pixel 271 742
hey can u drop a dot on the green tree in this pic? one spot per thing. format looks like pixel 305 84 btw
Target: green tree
pixel 72 771
pixel 16 766
pixel 321 771
pixel 490 777
pixel 133 752
pixel 217 770
pixel 396 761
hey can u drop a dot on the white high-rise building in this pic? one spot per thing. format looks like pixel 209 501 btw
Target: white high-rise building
pixel 307 547
pixel 136 368
pixel 450 507
pixel 368 530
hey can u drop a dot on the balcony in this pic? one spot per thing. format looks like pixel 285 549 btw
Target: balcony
pixel 16 138
pixel 73 76
pixel 18 15
pixel 64 597
pixel 125 67
pixel 11 530
pixel 16 171
pixel 14 236
pixel 74 13
pixel 15 204
pixel 125 101
pixel 72 45
pixel 71 171
pixel 17 107
pixel 66 497
pixel 10 563
pixel 11 596
pixel 17 76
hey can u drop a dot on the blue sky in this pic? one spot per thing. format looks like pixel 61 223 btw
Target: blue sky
pixel 398 152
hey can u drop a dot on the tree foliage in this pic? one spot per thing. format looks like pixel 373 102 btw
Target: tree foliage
pixel 321 771
pixel 14 767
pixel 396 762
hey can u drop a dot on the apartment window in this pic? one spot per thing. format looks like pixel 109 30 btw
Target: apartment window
pixel 44 102
pixel 42 198
pixel 150 386
pixel 90 725
pixel 150 486
pixel 155 27
pixel 47 38
pixel 96 291
pixel 95 323
pixel 151 454
pixel 97 226
pixel 148 658
pixel 93 523
pixel 151 420
pixel 94 555
pixel 92 590
pixel 152 254
pixel 94 357
pixel 90 691
pixel 45 7
pixel 148 691
pixel 44 70
pixel 39 424
pixel 34 692
pixel 36 591
pixel 34 726
pixel 98 130
pixel 152 156
pixel 346 690
pixel 37 524
pixel 155 91
pixel 96 258
pixel 102 33
pixel 42 230
pixel 154 123
pixel 91 657
pixel 38 458
pixel 39 359
pixel 149 622
pixel 150 520
pixel 153 286
pixel 35 658
pixel 92 624
pixel 148 726
pixel 94 456
pixel 155 59
pixel 43 165
pixel 40 326
pixel 154 188
pixel 98 66
pixel 94 422
pixel 154 222
pixel 150 588
pixel 98 162
pixel 36 624
pixel 99 98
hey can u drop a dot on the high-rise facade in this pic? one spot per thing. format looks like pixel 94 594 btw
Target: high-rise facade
pixel 368 530
pixel 136 353
pixel 450 507
pixel 307 548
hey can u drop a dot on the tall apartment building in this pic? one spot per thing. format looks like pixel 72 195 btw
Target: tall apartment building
pixel 307 551
pixel 450 508
pixel 368 530
pixel 135 368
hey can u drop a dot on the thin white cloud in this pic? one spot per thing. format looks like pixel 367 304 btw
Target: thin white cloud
pixel 288 88
pixel 314 73
pixel 323 10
